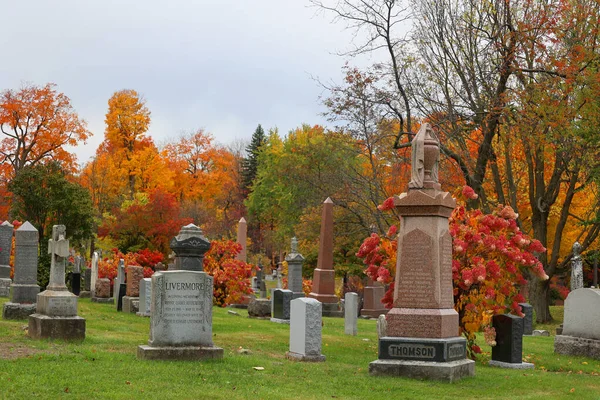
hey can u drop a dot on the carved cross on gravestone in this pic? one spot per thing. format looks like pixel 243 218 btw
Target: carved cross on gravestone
pixel 58 248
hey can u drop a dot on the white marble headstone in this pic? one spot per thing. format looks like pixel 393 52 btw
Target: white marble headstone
pixel 305 327
pixel 350 313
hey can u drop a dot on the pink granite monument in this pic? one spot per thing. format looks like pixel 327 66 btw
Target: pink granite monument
pixel 324 276
pixel 372 295
pixel 242 233
pixel 422 327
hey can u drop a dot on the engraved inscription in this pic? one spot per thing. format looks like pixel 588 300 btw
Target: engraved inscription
pixel 416 271
pixel 412 351
pixel 6 233
pixel 446 295
pixel 62 306
pixel 456 351
pixel 26 261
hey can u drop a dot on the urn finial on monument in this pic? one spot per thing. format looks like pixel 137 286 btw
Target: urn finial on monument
pixel 425 159
pixel 189 247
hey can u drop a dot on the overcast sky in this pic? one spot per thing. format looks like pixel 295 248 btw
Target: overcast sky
pixel 224 65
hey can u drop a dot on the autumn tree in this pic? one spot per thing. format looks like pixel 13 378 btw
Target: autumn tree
pixel 127 121
pixel 37 123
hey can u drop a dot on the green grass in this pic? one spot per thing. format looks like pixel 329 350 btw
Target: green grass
pixel 104 366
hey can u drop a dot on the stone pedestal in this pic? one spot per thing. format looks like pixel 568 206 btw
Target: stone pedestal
pixel 422 327
pixel 372 305
pixel 189 247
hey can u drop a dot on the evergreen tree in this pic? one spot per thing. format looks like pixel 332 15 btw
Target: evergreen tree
pixel 250 163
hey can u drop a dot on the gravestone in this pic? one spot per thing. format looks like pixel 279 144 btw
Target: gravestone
pixel 87 282
pixel 381 326
pixel 120 278
pixel 189 247
pixel 305 330
pixel 527 309
pixel 295 261
pixel 508 351
pixel 581 327
pixel 6 235
pixel 76 277
pixel 95 259
pixel 145 297
pixel 24 288
pixel 260 281
pixel 242 233
pixel 181 318
pixel 280 305
pixel 372 295
pixel 131 301
pixel 56 313
pixel 350 313
pixel 102 292
pixel 323 288
pixel 423 340
pixel 259 308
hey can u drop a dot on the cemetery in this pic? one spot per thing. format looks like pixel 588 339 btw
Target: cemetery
pixel 432 231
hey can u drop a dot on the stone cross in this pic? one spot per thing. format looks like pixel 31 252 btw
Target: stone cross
pixel 242 232
pixel 576 268
pixel 58 248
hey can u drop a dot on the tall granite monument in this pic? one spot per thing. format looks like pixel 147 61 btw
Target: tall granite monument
pixel 181 305
pixel 324 276
pixel 6 235
pixel 24 289
pixel 295 261
pixel 56 314
pixel 242 234
pixel 422 327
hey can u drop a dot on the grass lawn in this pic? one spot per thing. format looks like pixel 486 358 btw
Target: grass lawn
pixel 104 366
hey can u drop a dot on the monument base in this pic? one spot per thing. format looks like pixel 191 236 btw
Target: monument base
pixel 373 313
pixel 5 287
pixel 502 364
pixel 280 321
pixel 18 310
pixel 290 355
pixel 65 328
pixel 24 294
pixel 259 308
pixel 332 310
pixel 422 322
pixel 131 304
pixel 441 371
pixel 577 346
pixel 190 353
pixel 84 294
pixel 103 300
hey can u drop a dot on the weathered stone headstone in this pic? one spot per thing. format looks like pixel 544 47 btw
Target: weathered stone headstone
pixel 372 295
pixel 87 282
pixel 581 327
pixel 295 261
pixel 280 305
pixel 324 276
pixel 508 351
pixel 102 291
pixel 76 277
pixel 381 326
pixel 181 318
pixel 189 247
pixel 259 308
pixel 56 314
pixel 305 330
pixel 120 278
pixel 95 259
pixel 134 275
pixel 351 313
pixel 527 309
pixel 242 233
pixel 6 235
pixel 145 297
pixel 576 268
pixel 24 288
pixel 423 340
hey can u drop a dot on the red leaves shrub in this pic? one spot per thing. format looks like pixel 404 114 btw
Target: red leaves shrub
pixel 108 267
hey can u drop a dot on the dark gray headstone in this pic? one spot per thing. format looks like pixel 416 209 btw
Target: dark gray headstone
pixel 25 288
pixel 281 303
pixel 6 234
pixel 87 279
pixel 76 283
pixel 189 248
pixel 509 338
pixel 295 261
pixel 527 309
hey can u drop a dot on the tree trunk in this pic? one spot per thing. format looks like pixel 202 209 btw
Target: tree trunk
pixel 539 296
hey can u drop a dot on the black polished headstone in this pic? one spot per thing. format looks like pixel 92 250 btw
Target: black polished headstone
pixel 422 349
pixel 509 338
pixel 76 283
pixel 87 279
pixel 122 291
pixel 281 303
pixel 527 309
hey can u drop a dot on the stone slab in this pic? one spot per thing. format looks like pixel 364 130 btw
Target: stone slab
pixel 303 357
pixel 422 323
pixel 24 293
pixel 5 287
pixel 64 328
pixel 419 349
pixel 128 306
pixel 502 364
pixel 582 313
pixel 527 309
pixel 57 304
pixel 17 310
pixel 179 353
pixel 259 308
pixel 577 346
pixel 305 327
pixel 134 275
pixel 351 304
pixel 103 300
pixel 441 371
